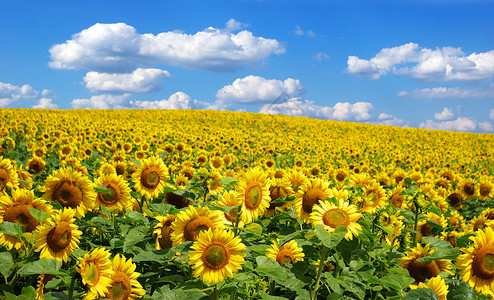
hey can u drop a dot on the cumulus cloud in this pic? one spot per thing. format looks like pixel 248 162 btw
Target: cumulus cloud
pixel 460 124
pixel 486 126
pixel 390 120
pixel 255 89
pixel 359 111
pixel 46 103
pixel 106 101
pixel 233 25
pixel 120 48
pixel 139 81
pixel 446 114
pixel 48 94
pixel 9 93
pixel 178 100
pixel 443 92
pixel 443 64
pixel 300 32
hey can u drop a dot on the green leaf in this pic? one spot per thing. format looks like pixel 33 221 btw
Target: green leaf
pixel 102 189
pixel 421 294
pixel 436 243
pixel 464 240
pixel 267 266
pixel 38 214
pixel 443 253
pixel 397 282
pixel 227 181
pixel 27 293
pixel 54 283
pixel 6 263
pixel 164 293
pixel 13 229
pixel 134 236
pixel 460 291
pixel 265 296
pixel 254 228
pixel 331 240
pixel 42 266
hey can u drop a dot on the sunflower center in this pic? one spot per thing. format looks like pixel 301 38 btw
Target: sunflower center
pixel 335 217
pixel 59 237
pixel 275 193
pixel 165 240
pixel 176 200
pixel 216 256
pixel 194 227
pixel 469 189
pixel 483 263
pixel 310 198
pixel 68 194
pixel 91 272
pixel 150 178
pixel 253 194
pixel 454 199
pixel 420 271
pixel 112 197
pixel 426 230
pixel 284 256
pixel 21 215
pixel 397 200
pixel 4 176
pixel 340 177
pixel 121 288
pixel 484 190
pixel 295 186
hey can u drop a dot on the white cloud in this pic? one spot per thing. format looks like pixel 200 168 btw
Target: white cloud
pixel 105 101
pixel 491 114
pixel 302 107
pixel 255 89
pixel 321 56
pixel 120 48
pixel 486 126
pixel 178 100
pixel 390 120
pixel 443 92
pixel 444 64
pixel 46 103
pixel 300 32
pixel 446 114
pixel 48 94
pixel 139 81
pixel 233 25
pixel 9 94
pixel 384 116
pixel 460 124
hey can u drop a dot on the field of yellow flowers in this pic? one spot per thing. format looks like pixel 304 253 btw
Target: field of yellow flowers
pixel 190 204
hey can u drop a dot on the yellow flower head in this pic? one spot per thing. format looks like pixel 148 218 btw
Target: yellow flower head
pixel 290 252
pixel 331 215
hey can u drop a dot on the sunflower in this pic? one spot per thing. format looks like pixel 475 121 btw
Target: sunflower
pixel 106 168
pixel 455 199
pixel 190 222
pixel 25 176
pixel 15 210
pixel 96 271
pixel 163 232
pixel 150 177
pixel 216 254
pixel 340 175
pixel 124 284
pixel 477 263
pixel 43 279
pixel 310 194
pixel 467 188
pixel 230 198
pixel 8 176
pixel 374 197
pixel 213 183
pixel 395 198
pixel 296 179
pixel 216 163
pixel 437 284
pixel 35 165
pixel 253 191
pixel 118 198
pixel 425 229
pixel 58 236
pixel 486 188
pixel 331 215
pixel 456 220
pixel 71 189
pixel 422 271
pixel 478 222
pixel 178 201
pixel 290 252
pixel 278 189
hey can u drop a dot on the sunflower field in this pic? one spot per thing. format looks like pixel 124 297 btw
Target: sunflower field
pixel 191 204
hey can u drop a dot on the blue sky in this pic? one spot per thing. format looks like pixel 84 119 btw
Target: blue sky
pixel 426 64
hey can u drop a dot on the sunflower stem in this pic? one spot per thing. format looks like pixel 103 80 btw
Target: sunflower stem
pixel 322 255
pixel 214 294
pixel 415 225
pixel 71 288
pixel 237 221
